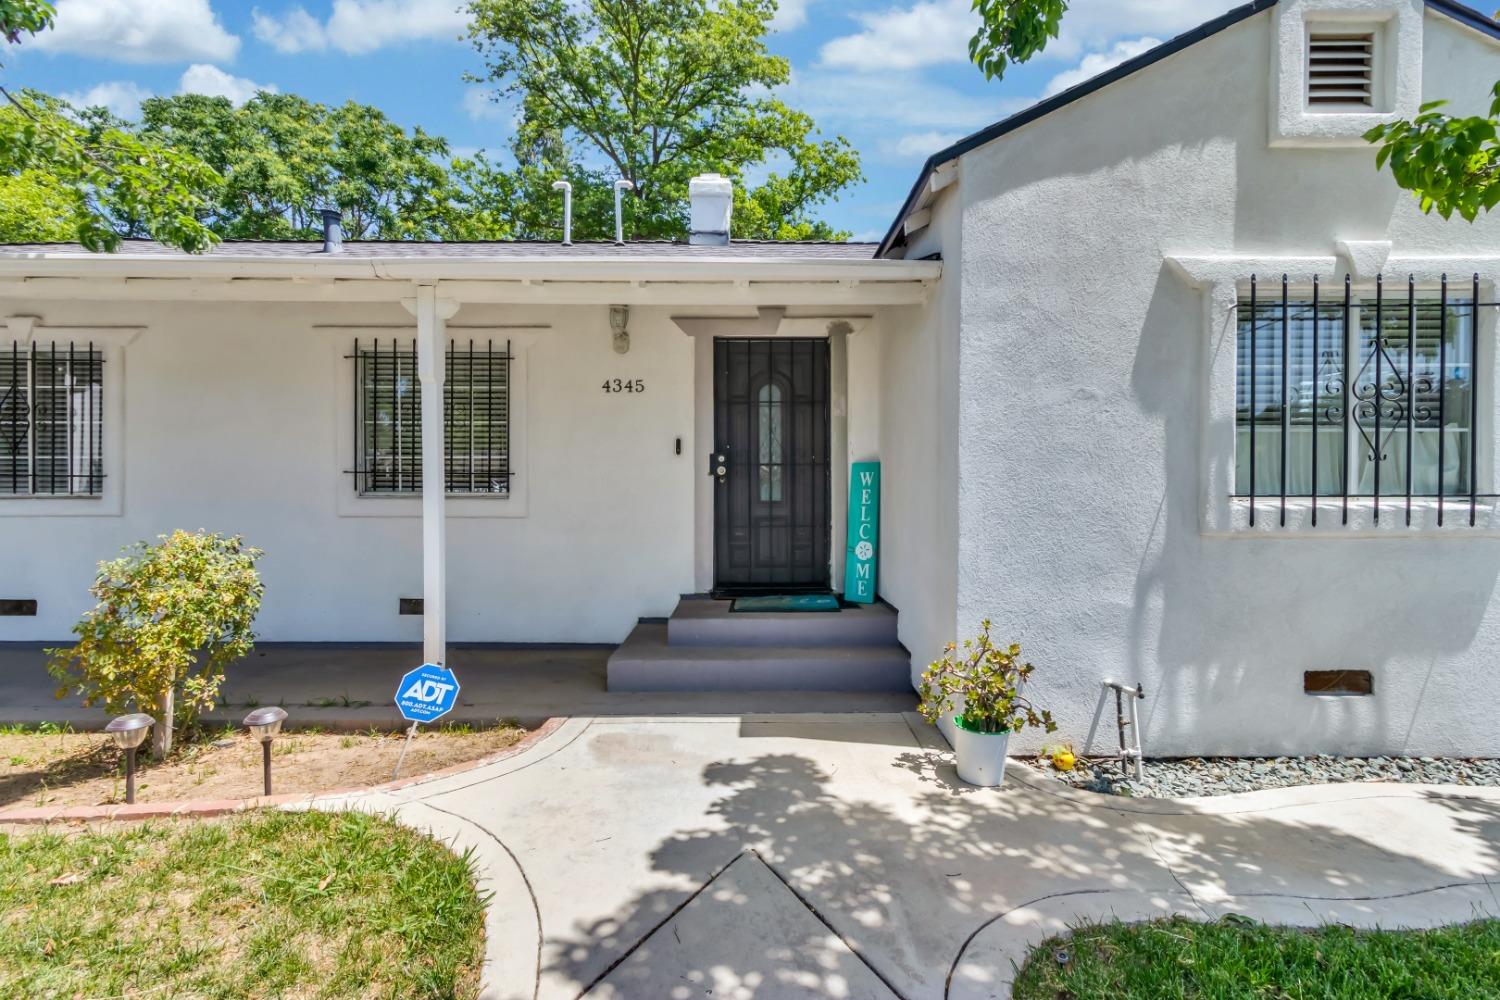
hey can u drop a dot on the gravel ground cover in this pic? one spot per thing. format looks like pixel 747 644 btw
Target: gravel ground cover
pixel 1195 776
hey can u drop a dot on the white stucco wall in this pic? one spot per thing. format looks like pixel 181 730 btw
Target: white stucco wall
pixel 919 453
pixel 234 424
pixel 237 418
pixel 1081 401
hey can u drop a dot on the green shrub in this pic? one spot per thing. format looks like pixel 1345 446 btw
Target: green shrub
pixel 170 617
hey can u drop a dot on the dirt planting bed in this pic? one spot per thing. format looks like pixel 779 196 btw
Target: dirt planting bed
pixel 45 766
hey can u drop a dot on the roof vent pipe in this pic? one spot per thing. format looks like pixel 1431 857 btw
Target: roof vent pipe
pixel 333 230
pixel 620 185
pixel 567 190
pixel 710 203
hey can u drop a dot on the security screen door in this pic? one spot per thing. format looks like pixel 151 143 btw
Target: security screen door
pixel 771 465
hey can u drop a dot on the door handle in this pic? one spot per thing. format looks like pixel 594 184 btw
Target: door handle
pixel 718 466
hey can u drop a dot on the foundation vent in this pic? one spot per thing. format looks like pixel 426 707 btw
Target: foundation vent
pixel 18 607
pixel 1350 682
pixel 410 605
pixel 1341 68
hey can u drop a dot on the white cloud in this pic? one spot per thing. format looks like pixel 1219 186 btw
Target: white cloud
pixel 930 32
pixel 292 32
pixel 1097 62
pixel 121 97
pixel 789 14
pixel 1094 24
pixel 479 106
pixel 201 78
pixel 922 144
pixel 359 26
pixel 838 101
pixel 140 31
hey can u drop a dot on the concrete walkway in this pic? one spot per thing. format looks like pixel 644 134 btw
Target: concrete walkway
pixel 837 856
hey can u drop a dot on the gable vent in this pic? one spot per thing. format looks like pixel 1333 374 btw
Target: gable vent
pixel 1340 68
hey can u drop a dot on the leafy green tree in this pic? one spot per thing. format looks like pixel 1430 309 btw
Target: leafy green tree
pixel 283 157
pixel 105 173
pixel 655 93
pixel 1450 164
pixel 1012 31
pixel 35 207
pixel 171 617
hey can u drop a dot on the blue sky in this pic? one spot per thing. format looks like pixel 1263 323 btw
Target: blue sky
pixel 890 75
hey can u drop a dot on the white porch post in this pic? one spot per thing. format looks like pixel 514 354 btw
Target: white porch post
pixel 432 315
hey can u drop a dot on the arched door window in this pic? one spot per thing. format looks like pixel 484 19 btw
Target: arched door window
pixel 769 443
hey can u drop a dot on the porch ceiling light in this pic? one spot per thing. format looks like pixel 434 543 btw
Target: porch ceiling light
pixel 619 324
pixel 129 731
pixel 265 723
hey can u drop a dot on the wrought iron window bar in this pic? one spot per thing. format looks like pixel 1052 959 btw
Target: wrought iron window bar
pixel 51 420
pixel 1374 394
pixel 388 419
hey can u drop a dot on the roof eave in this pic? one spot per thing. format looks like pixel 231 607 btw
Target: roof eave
pixel 228 267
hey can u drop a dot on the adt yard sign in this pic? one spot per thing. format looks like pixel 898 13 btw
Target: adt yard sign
pixel 426 693
pixel 864 532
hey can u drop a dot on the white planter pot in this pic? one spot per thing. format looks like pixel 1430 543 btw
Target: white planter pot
pixel 981 756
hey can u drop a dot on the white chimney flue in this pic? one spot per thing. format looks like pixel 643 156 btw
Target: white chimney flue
pixel 710 203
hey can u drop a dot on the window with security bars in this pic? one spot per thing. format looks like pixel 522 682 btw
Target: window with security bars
pixel 51 420
pixel 1367 396
pixel 476 418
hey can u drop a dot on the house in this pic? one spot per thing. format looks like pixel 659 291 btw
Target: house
pixel 1162 376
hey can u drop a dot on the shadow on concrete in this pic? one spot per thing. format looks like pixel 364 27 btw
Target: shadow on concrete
pixel 902 881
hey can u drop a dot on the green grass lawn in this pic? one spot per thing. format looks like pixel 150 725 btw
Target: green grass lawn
pixel 268 905
pixel 1237 959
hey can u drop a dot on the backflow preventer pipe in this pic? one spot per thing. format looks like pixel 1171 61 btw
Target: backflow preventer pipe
pixel 1135 752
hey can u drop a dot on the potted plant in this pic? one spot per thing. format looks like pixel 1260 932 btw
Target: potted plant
pixel 982 682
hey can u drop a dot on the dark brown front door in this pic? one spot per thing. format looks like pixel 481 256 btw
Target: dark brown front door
pixel 771 501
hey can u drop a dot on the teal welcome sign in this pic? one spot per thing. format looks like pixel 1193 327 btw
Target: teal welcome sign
pixel 864 532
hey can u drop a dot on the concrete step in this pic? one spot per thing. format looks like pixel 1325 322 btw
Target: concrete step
pixel 646 662
pixel 705 622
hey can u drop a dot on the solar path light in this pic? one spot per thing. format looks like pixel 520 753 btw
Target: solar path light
pixel 264 724
pixel 129 732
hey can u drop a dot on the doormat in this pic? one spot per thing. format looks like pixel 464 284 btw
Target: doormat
pixel 787 602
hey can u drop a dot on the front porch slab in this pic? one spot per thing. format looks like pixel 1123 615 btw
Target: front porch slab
pixel 335 685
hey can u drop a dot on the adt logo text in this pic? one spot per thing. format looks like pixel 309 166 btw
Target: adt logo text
pixel 427 690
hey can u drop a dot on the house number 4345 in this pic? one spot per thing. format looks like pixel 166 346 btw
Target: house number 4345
pixel 624 385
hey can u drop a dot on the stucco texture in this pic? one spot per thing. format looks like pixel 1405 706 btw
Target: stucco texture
pixel 238 420
pixel 1081 442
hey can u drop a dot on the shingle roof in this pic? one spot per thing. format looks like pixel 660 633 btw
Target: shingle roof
pixel 396 250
